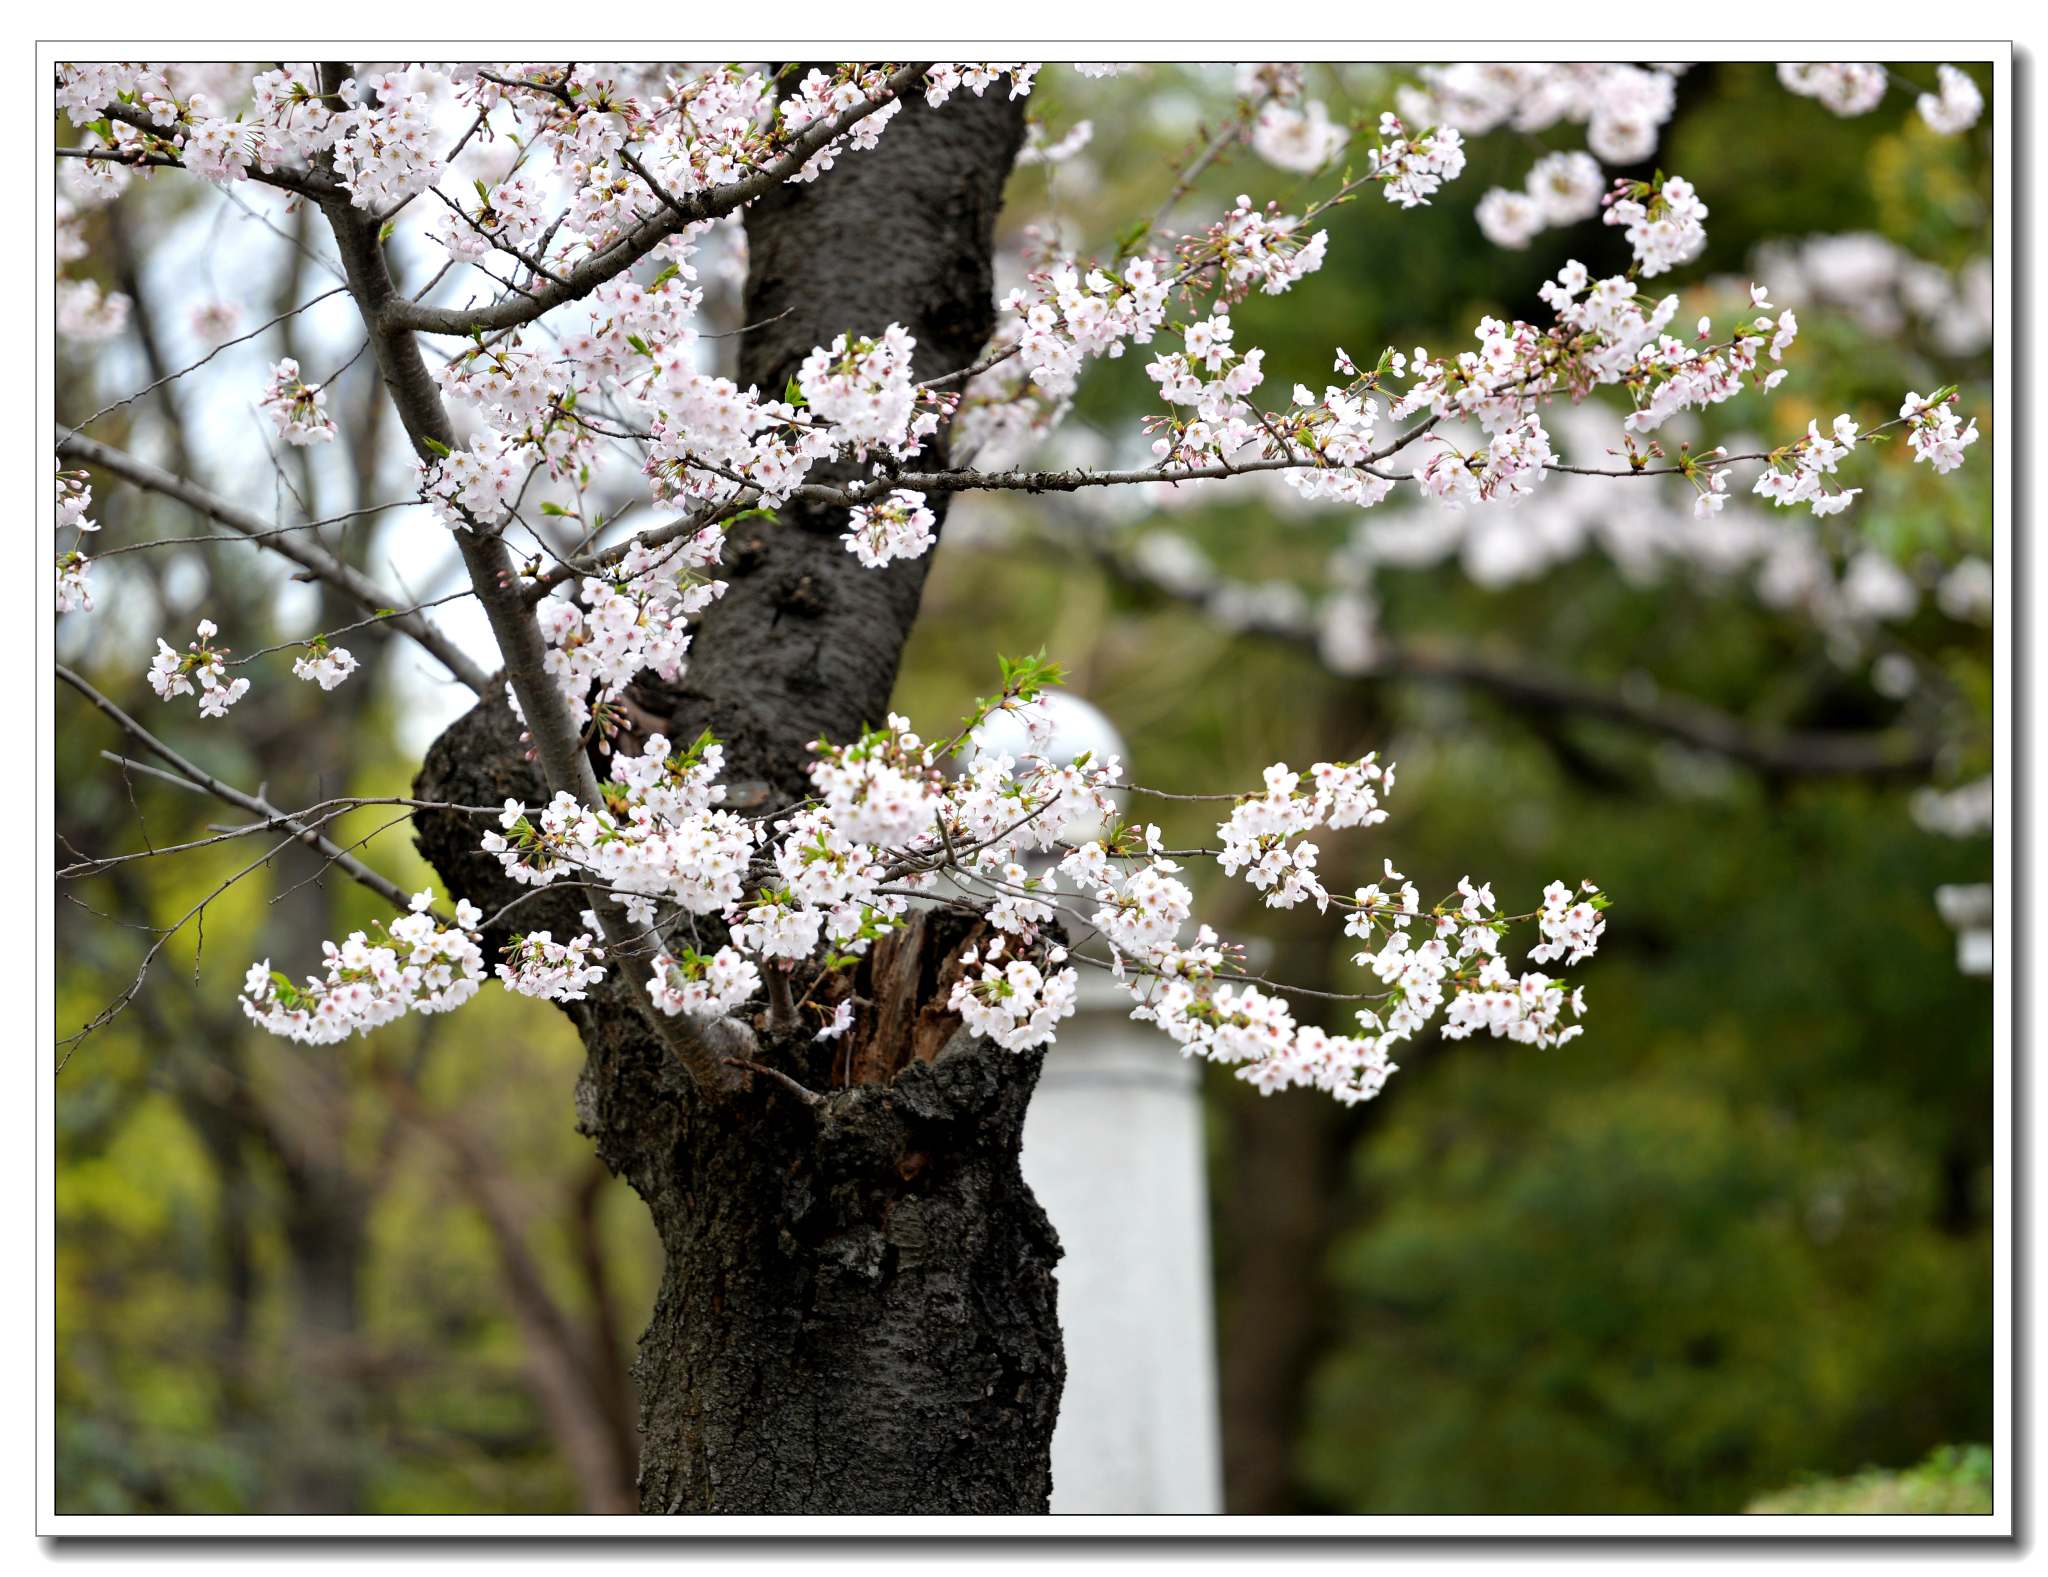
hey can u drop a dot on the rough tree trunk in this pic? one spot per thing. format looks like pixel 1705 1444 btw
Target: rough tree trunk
pixel 857 1311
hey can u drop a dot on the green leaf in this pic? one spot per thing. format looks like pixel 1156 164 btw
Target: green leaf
pixel 548 508
pixel 439 448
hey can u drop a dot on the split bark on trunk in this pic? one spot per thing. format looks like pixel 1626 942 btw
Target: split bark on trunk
pixel 857 1309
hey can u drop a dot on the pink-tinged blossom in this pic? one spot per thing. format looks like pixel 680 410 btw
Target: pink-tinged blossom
pixel 707 987
pixel 536 965
pixel 216 321
pixel 84 314
pixel 900 527
pixel 297 410
pixel 840 1022
pixel 74 498
pixel 1933 434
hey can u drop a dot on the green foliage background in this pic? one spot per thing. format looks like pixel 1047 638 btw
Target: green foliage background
pixel 1738 1232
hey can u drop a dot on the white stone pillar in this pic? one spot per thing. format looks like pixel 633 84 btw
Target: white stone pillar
pixel 1113 1147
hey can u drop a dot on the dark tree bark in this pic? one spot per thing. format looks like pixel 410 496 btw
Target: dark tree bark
pixel 857 1310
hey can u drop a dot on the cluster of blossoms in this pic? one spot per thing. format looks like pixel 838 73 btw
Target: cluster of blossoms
pixel 707 987
pixel 900 527
pixel 538 966
pixel 425 968
pixel 1622 107
pixel 603 157
pixel 1288 131
pixel 1337 430
pixel 1932 434
pixel 947 76
pixel 325 665
pixel 297 409
pixel 1014 1004
pixel 1663 374
pixel 1662 223
pixel 708 440
pixel 74 589
pixel 378 130
pixel 1569 926
pixel 74 498
pixel 1066 315
pixel 1954 110
pixel 1184 990
pixel 172 675
pixel 1855 87
pixel 83 312
pixel 1414 167
pixel 604 149
pixel 1504 470
pixel 634 617
pixel 1561 189
pixel 659 839
pixel 1848 87
pixel 1603 336
pixel 1812 457
pixel 886 824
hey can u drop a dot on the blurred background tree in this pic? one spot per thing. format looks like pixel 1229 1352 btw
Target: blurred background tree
pixel 1738 1232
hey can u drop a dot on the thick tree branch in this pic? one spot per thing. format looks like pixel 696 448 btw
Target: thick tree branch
pixel 674 215
pixel 1792 754
pixel 557 744
pixel 303 550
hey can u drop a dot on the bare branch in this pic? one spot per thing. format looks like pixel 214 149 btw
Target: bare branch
pixel 255 804
pixel 1890 753
pixel 311 556
pixel 1693 723
pixel 203 360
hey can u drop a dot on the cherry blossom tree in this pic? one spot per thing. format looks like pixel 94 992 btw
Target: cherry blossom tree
pixel 816 954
